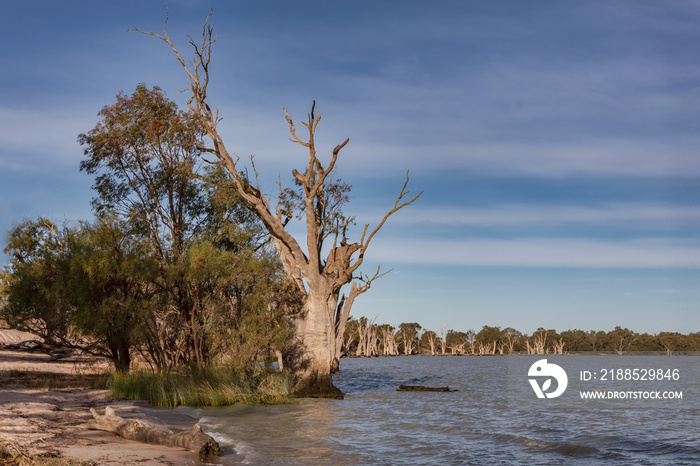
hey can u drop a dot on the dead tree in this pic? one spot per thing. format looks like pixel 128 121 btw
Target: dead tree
pixel 432 342
pixel 539 343
pixel 320 280
pixel 458 349
pixel 390 348
pixel 511 336
pixel 487 348
pixel 558 346
pixel 443 341
pixel 342 314
pixel 367 338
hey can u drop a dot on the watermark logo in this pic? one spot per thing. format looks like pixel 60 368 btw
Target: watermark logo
pixel 551 371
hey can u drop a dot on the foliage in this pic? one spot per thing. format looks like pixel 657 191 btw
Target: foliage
pixel 35 291
pixel 174 270
pixel 143 153
pixel 112 289
pixel 407 336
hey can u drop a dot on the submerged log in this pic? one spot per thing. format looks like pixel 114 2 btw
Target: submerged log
pixel 421 388
pixel 194 440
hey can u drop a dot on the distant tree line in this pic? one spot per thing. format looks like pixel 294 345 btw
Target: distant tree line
pixel 363 337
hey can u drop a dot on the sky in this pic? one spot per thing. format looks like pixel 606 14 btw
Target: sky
pixel 556 143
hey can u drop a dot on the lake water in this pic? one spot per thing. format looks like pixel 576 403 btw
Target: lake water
pixel 495 417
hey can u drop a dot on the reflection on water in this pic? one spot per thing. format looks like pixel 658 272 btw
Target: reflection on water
pixel 493 418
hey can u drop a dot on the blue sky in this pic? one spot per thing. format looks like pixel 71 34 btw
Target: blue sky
pixel 556 142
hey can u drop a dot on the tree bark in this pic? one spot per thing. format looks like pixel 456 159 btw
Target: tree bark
pixel 194 440
pixel 310 355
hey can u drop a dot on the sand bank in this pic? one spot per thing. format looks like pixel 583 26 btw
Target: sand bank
pixel 51 423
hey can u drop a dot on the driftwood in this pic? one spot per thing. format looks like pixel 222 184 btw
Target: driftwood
pixel 421 388
pixel 194 440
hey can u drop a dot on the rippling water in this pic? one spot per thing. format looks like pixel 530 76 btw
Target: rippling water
pixel 494 417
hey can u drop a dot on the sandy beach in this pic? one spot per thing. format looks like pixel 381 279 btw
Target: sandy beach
pixel 51 424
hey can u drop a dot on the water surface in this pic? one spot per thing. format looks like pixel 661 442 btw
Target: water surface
pixel 495 416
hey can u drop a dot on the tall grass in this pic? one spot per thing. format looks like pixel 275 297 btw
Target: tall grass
pixel 209 386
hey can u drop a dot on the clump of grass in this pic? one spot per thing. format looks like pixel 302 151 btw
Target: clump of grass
pixel 209 386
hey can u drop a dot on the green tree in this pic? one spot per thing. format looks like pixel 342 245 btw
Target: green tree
pixel 112 288
pixel 512 339
pixel 429 342
pixel 460 342
pixel 145 154
pixel 619 339
pixel 242 301
pixel 36 298
pixel 577 340
pixel 408 336
pixel 671 341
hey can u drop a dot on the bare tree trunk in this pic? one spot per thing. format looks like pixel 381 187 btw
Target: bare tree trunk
pixel 342 314
pixel 558 346
pixel 432 344
pixel 539 342
pixel 310 356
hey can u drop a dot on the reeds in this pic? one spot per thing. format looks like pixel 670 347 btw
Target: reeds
pixel 209 386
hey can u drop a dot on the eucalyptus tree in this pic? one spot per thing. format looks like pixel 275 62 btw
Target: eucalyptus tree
pixel 145 156
pixel 319 279
pixel 408 336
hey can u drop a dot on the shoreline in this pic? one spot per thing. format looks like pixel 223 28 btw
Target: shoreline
pixel 51 423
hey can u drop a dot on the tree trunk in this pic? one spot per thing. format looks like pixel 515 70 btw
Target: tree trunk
pixel 311 354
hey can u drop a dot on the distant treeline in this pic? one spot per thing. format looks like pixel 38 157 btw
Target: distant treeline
pixel 365 338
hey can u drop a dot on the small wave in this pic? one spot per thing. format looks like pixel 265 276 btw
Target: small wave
pixel 657 448
pixel 566 449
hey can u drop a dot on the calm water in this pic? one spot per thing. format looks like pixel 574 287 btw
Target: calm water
pixel 495 416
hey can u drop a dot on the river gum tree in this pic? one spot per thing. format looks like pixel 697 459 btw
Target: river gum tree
pixel 319 279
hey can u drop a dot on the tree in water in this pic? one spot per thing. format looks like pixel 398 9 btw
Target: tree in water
pixel 312 352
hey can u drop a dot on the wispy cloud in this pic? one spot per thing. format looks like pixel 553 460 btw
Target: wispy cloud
pixel 30 139
pixel 540 252
pixel 638 214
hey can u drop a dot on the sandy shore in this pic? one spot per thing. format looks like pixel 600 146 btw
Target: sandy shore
pixel 51 423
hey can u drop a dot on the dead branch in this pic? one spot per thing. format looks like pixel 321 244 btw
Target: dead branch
pixel 364 244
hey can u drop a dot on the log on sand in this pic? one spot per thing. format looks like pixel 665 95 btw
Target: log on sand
pixel 194 440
